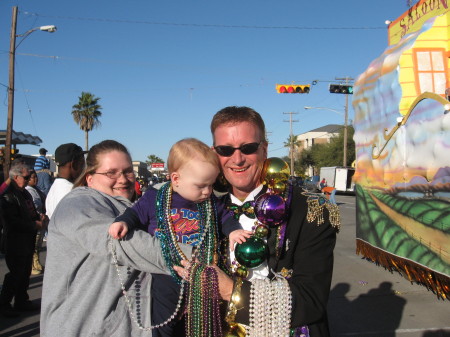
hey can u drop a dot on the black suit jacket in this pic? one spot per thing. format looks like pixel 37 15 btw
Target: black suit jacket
pixel 308 252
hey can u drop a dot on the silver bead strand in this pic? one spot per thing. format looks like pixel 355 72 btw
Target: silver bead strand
pixel 128 301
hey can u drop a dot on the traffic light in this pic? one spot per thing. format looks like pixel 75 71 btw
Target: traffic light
pixel 14 153
pixel 341 89
pixel 293 88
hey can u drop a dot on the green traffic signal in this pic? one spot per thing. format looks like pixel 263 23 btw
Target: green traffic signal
pixel 341 89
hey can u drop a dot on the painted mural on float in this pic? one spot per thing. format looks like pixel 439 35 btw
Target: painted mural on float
pixel 402 139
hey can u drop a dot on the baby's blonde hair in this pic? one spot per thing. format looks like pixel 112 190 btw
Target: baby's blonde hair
pixel 187 149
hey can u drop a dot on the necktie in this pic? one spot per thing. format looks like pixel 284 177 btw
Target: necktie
pixel 246 208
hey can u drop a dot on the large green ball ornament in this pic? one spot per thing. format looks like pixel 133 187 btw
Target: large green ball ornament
pixel 252 252
pixel 275 173
pixel 235 330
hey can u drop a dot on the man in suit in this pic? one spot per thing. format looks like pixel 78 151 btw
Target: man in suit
pixel 305 256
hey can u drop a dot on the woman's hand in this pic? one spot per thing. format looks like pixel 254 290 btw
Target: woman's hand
pixel 225 282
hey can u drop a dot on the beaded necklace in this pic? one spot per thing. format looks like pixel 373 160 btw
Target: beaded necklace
pixel 260 230
pixel 202 310
pixel 204 282
pixel 136 318
pixel 207 247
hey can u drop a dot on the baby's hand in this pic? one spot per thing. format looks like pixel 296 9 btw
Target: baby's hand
pixel 118 230
pixel 239 236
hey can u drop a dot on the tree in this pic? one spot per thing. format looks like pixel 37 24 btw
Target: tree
pixel 151 159
pixel 293 144
pixel 86 114
pixel 294 141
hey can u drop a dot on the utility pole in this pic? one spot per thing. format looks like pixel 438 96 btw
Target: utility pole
pixel 291 138
pixel 9 123
pixel 346 79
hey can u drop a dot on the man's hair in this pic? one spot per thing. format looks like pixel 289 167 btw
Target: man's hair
pixel 17 169
pixel 190 148
pixel 237 114
pixel 92 162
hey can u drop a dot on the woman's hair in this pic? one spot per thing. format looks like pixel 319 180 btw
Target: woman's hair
pixel 187 149
pixel 92 162
pixel 238 114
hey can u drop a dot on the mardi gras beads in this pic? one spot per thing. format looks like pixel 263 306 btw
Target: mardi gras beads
pixel 270 210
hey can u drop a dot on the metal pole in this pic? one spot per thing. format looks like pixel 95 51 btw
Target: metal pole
pixel 345 131
pixel 9 123
pixel 344 161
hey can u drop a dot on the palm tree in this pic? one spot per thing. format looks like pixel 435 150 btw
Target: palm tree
pixel 87 113
pixel 293 144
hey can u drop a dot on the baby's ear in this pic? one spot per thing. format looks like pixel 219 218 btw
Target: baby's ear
pixel 175 178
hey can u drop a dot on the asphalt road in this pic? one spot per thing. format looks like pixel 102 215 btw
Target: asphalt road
pixel 365 300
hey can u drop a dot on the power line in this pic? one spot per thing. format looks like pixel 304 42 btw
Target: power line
pixel 199 25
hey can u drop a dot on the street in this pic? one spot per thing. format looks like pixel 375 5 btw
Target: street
pixel 365 300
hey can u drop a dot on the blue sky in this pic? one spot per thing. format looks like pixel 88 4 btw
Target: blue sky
pixel 163 68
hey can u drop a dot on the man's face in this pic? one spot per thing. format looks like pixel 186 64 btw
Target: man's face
pixel 241 171
pixel 22 179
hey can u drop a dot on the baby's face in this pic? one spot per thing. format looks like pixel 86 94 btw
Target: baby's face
pixel 194 180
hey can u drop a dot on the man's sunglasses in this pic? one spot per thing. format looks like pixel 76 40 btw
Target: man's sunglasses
pixel 227 151
pixel 27 177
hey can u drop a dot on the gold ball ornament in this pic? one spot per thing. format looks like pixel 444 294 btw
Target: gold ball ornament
pixel 279 187
pixel 242 271
pixel 261 231
pixel 235 330
pixel 275 173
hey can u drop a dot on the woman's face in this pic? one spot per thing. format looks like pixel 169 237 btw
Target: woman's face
pixel 114 175
pixel 33 179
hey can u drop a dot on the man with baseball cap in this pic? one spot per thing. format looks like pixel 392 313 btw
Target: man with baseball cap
pixel 70 160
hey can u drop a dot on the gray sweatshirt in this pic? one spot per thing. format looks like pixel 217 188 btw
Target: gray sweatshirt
pixel 82 295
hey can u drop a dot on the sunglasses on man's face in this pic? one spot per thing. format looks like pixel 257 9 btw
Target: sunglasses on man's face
pixel 227 151
pixel 27 177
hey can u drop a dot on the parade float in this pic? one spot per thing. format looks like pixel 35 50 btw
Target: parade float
pixel 402 139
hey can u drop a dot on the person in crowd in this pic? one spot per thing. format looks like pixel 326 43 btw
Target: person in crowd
pixel 330 193
pixel 42 168
pixel 3 188
pixel 39 203
pixel 84 293
pixel 305 260
pixel 137 189
pixel 70 160
pixel 193 167
pixel 19 235
pixel 323 183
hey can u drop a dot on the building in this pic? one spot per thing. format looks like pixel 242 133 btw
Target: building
pixel 321 135
pixel 140 168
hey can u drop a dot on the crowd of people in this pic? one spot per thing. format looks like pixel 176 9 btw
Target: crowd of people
pixel 118 265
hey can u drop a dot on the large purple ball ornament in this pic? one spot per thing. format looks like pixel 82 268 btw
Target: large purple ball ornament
pixel 270 209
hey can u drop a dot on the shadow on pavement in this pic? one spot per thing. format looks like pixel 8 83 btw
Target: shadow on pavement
pixel 375 313
pixel 437 333
pixel 24 331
